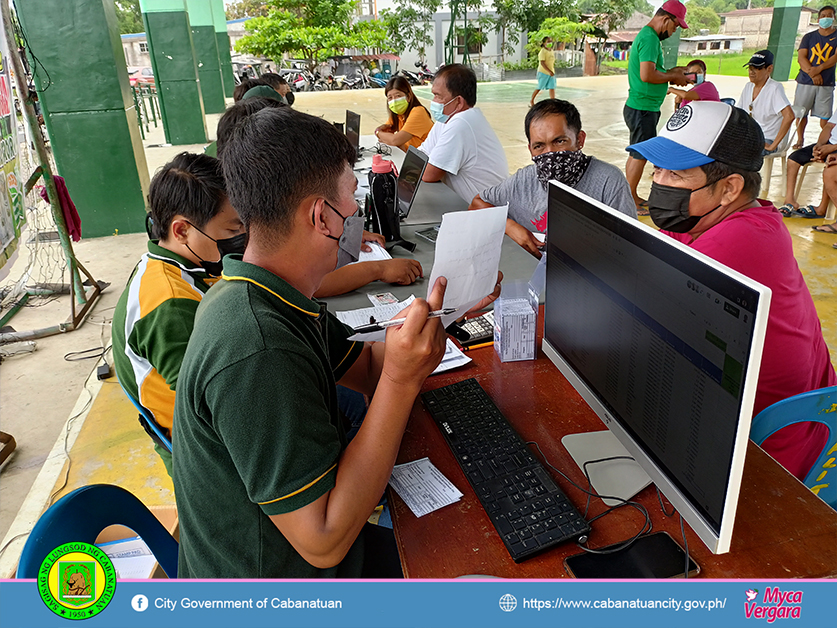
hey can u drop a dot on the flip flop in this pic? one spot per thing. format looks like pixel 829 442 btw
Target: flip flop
pixel 642 210
pixel 787 210
pixel 834 246
pixel 807 211
pixel 796 146
pixel 828 228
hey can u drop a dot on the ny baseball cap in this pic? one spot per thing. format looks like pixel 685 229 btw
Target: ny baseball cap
pixel 676 9
pixel 702 132
pixel 760 59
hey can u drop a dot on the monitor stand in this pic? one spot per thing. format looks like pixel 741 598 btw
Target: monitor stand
pixel 616 478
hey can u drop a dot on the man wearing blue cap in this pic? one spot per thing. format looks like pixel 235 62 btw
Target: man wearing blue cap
pixel 706 179
pixel 765 100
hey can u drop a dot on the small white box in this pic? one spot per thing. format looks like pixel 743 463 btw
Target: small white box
pixel 515 323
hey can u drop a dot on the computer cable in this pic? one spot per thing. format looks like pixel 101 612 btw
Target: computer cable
pixel 647 526
pixel 682 530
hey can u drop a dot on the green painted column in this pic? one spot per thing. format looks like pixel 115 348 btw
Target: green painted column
pixel 671 48
pixel 206 54
pixel 88 110
pixel 175 70
pixel 783 31
pixel 219 18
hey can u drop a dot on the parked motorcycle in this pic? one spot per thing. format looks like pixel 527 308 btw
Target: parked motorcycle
pixel 424 73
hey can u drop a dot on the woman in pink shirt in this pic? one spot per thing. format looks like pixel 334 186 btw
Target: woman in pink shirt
pixel 703 89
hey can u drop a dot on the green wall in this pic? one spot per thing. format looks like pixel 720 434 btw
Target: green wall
pixel 782 41
pixel 89 110
pixel 175 70
pixel 206 54
pixel 219 18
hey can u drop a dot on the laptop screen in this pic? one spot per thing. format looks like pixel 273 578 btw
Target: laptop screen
pixel 409 179
pixel 353 129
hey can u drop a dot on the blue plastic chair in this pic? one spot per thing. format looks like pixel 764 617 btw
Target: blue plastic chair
pixel 819 406
pixel 728 101
pixel 81 515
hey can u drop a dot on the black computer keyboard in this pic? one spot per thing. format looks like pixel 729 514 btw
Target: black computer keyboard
pixel 527 508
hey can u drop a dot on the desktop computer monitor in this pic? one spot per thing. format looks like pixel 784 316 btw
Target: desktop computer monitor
pixel 353 130
pixel 664 344
pixel 409 179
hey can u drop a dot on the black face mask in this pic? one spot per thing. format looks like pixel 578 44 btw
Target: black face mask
pixel 226 246
pixel 669 207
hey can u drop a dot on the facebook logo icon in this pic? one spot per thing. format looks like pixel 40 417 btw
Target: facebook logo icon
pixel 139 603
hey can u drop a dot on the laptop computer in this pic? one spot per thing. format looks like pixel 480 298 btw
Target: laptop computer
pixel 409 179
pixel 353 130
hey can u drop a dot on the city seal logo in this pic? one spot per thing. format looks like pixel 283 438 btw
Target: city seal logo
pixel 680 119
pixel 76 581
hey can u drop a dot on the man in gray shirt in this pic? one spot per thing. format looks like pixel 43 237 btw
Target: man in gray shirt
pixel 553 129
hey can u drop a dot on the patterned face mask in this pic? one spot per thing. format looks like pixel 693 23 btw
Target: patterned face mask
pixel 566 166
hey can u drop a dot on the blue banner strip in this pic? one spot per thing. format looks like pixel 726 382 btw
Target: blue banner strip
pixel 450 603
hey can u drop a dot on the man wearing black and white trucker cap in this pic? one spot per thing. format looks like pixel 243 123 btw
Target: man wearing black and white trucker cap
pixel 706 178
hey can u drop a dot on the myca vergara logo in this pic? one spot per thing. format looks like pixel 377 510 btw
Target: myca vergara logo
pixel 775 604
pixel 76 581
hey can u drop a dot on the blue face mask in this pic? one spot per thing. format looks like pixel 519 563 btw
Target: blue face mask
pixel 826 22
pixel 437 109
pixel 699 78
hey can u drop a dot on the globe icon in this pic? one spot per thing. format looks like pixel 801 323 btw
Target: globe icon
pixel 508 602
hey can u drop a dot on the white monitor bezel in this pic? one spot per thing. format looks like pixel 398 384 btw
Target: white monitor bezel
pixel 720 543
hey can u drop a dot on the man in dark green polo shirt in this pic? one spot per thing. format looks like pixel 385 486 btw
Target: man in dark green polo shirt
pixel 266 484
pixel 648 84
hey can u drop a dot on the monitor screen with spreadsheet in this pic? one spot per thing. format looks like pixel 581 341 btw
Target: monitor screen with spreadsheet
pixel 664 344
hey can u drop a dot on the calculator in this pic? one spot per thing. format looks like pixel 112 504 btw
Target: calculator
pixel 480 329
pixel 429 234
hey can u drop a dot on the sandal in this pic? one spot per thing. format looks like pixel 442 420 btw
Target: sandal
pixel 787 210
pixel 808 211
pixel 642 210
pixel 828 228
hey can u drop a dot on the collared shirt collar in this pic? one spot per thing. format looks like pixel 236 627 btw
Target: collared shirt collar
pixel 189 266
pixel 236 269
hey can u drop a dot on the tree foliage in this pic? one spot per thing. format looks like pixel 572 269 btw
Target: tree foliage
pixel 128 16
pixel 247 8
pixel 409 25
pixel 310 29
pixel 558 29
pixel 612 14
pixel 701 18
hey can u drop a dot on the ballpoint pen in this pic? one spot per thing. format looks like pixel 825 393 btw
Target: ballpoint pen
pixel 365 329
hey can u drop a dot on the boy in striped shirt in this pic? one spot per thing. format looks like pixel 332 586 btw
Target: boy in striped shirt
pixel 192 226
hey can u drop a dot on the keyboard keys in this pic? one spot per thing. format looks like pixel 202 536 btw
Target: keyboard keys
pixel 523 502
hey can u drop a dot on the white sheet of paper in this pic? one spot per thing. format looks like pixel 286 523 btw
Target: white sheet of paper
pixel 454 358
pixel 468 252
pixel 131 557
pixel 356 318
pixel 422 486
pixel 377 254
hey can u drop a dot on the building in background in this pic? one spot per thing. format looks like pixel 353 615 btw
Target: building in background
pixel 754 25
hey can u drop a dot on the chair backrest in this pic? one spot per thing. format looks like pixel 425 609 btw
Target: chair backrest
pixel 81 515
pixel 152 424
pixel 728 101
pixel 819 406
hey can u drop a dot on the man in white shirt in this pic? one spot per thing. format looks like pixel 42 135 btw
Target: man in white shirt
pixel 462 147
pixel 765 100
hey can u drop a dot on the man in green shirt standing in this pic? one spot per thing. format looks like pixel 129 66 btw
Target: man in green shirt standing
pixel 648 84
pixel 267 485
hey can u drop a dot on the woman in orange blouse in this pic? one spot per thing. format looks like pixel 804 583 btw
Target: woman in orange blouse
pixel 409 123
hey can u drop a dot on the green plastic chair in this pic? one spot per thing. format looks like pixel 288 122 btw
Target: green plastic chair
pixel 819 406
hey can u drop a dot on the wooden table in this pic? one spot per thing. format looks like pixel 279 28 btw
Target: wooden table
pixel 782 530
